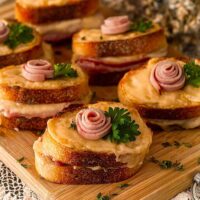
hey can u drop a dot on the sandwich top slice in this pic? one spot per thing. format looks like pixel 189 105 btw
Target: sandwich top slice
pixel 19 43
pixel 97 143
pixel 165 92
pixel 120 45
pixel 30 94
pixel 42 11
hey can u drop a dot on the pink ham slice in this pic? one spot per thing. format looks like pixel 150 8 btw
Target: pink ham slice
pixel 37 70
pixel 116 25
pixel 93 65
pixel 4 32
pixel 92 124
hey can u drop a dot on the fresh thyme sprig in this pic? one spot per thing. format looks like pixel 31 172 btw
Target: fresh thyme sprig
pixel 66 70
pixel 19 34
pixel 124 129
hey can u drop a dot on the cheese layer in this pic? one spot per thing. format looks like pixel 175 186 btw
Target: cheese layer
pixel 5 50
pixel 186 124
pixel 135 88
pixel 12 76
pixel 132 153
pixel 71 26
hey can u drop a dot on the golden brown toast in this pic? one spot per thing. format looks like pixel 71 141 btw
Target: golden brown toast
pixel 14 87
pixel 135 90
pixel 40 11
pixel 64 151
pixel 91 43
pixel 23 52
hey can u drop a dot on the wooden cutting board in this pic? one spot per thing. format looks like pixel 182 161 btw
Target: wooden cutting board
pixel 150 183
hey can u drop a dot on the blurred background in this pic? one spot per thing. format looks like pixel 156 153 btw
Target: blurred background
pixel 180 18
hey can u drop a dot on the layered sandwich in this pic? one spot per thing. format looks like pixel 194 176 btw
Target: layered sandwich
pixel 118 46
pixel 32 93
pixel 19 43
pixel 165 92
pixel 58 20
pixel 98 143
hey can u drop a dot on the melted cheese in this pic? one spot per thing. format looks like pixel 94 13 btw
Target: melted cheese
pixel 5 50
pixel 12 76
pixel 44 3
pixel 10 108
pixel 132 153
pixel 93 35
pixel 168 124
pixel 135 88
pixel 71 26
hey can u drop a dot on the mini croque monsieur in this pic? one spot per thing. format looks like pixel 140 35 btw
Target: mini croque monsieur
pixel 32 93
pixel 166 92
pixel 19 43
pixel 120 45
pixel 98 143
pixel 56 20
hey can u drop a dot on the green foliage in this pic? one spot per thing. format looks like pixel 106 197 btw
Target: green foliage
pixel 124 129
pixel 65 70
pixel 19 34
pixel 141 26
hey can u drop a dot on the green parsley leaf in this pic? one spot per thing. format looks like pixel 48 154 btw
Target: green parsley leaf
pixel 21 159
pixel 19 34
pixel 100 196
pixel 66 70
pixel 124 185
pixel 124 129
pixel 192 72
pixel 39 133
pixel 141 26
pixel 73 125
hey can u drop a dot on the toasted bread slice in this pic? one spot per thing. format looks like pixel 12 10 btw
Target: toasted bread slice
pixel 14 87
pixel 67 174
pixel 176 107
pixel 23 52
pixel 40 11
pixel 91 43
pixel 65 152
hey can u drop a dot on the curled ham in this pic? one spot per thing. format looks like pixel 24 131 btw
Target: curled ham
pixel 4 32
pixel 37 70
pixel 92 123
pixel 167 75
pixel 115 25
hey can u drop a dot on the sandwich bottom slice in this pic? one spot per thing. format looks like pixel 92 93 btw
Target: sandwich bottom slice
pixel 63 156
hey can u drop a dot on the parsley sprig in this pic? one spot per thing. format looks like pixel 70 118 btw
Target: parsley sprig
pixel 141 26
pixel 124 129
pixel 192 71
pixel 19 34
pixel 63 69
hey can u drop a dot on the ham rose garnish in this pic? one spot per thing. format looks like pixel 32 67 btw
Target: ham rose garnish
pixel 37 70
pixel 92 123
pixel 115 25
pixel 4 31
pixel 167 75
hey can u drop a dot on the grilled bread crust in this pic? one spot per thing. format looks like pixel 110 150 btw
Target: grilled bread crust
pixel 72 157
pixel 124 45
pixel 45 14
pixel 149 112
pixel 67 174
pixel 22 123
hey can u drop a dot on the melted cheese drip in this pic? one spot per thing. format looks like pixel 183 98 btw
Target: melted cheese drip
pixel 5 50
pixel 132 153
pixel 137 89
pixel 186 124
pixel 12 76
pixel 44 3
pixel 93 35
pixel 71 26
